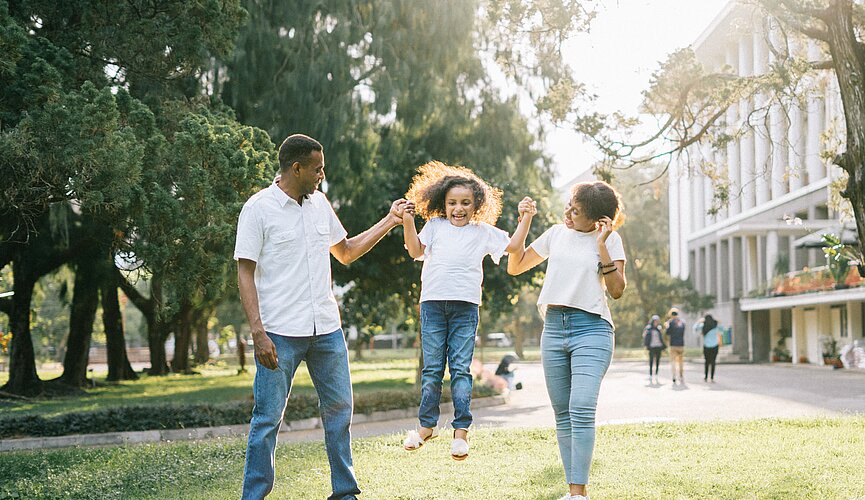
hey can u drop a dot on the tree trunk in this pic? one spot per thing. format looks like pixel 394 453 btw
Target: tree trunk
pixel 202 350
pixel 23 380
pixel 157 327
pixel 119 367
pixel 241 351
pixel 182 339
pixel 85 300
pixel 157 332
pixel 849 64
pixel 519 336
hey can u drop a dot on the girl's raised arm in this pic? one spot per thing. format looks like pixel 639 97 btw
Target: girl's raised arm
pixel 412 242
pixel 521 260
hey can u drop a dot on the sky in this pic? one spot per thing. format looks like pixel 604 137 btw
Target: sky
pixel 627 42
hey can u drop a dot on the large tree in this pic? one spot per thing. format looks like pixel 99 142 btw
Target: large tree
pixel 388 86
pixel 99 108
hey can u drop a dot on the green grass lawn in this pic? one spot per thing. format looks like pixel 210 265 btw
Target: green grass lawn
pixel 769 459
pixel 382 369
pixel 214 384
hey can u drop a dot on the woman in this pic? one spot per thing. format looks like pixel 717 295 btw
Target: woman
pixel 586 261
pixel 653 339
pixel 711 341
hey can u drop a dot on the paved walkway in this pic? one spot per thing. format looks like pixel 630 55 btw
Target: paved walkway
pixel 740 392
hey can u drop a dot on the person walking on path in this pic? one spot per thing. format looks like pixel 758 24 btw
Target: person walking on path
pixel 460 209
pixel 653 340
pixel 711 342
pixel 286 234
pixel 676 336
pixel 586 262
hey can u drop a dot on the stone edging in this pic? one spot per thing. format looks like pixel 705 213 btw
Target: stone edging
pixel 166 435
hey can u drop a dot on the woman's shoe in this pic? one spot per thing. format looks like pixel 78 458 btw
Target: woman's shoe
pixel 413 441
pixel 459 449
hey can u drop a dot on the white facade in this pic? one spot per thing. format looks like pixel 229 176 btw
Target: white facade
pixel 776 176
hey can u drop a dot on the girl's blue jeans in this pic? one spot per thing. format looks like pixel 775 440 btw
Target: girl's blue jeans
pixel 448 329
pixel 576 350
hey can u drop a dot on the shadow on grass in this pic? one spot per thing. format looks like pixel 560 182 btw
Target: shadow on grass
pixel 551 474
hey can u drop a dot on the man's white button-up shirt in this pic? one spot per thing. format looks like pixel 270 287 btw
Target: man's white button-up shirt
pixel 290 244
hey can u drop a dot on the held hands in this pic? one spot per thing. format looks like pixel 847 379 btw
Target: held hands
pixel 408 212
pixel 398 210
pixel 604 225
pixel 527 208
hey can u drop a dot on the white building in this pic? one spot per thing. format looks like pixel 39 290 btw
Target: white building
pixel 777 178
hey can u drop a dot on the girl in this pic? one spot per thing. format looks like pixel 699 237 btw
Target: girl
pixel 711 341
pixel 653 340
pixel 587 260
pixel 460 209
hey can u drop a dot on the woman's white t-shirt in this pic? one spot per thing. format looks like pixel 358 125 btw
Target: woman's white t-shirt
pixel 453 258
pixel 572 277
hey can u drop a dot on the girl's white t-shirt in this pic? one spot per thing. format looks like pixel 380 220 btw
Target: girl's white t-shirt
pixel 572 277
pixel 453 258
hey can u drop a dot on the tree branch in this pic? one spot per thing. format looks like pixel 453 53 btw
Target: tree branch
pixel 143 304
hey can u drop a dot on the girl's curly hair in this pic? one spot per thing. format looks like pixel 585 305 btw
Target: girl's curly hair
pixel 434 179
pixel 599 199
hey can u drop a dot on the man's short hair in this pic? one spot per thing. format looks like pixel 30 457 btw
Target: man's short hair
pixel 296 147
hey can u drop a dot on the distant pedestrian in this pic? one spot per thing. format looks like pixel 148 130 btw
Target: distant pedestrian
pixel 676 334
pixel 711 341
pixel 653 340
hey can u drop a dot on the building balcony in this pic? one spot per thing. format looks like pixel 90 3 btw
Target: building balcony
pixel 808 287
pixel 811 280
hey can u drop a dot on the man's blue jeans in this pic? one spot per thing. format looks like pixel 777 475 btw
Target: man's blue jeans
pixel 576 350
pixel 326 359
pixel 448 329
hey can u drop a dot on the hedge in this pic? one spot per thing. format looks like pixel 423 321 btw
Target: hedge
pixel 182 416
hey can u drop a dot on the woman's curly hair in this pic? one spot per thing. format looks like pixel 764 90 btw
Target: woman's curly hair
pixel 434 179
pixel 599 199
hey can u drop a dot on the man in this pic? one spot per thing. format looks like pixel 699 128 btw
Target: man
pixel 676 334
pixel 285 236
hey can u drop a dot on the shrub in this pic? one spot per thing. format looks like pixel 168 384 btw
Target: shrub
pixel 183 416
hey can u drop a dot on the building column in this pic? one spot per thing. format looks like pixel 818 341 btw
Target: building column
pixel 750 264
pixel 771 254
pixel 795 326
pixel 778 129
pixel 796 147
pixel 746 144
pixel 721 271
pixel 698 270
pixel 816 124
pixel 791 251
pixel 731 58
pixel 762 169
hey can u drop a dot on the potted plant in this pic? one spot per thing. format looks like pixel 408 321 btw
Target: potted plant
pixel 780 353
pixel 838 258
pixel 830 352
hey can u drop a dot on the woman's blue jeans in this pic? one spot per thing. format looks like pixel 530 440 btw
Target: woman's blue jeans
pixel 326 359
pixel 576 350
pixel 448 329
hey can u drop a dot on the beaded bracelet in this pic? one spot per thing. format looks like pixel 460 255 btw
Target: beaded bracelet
pixel 601 267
